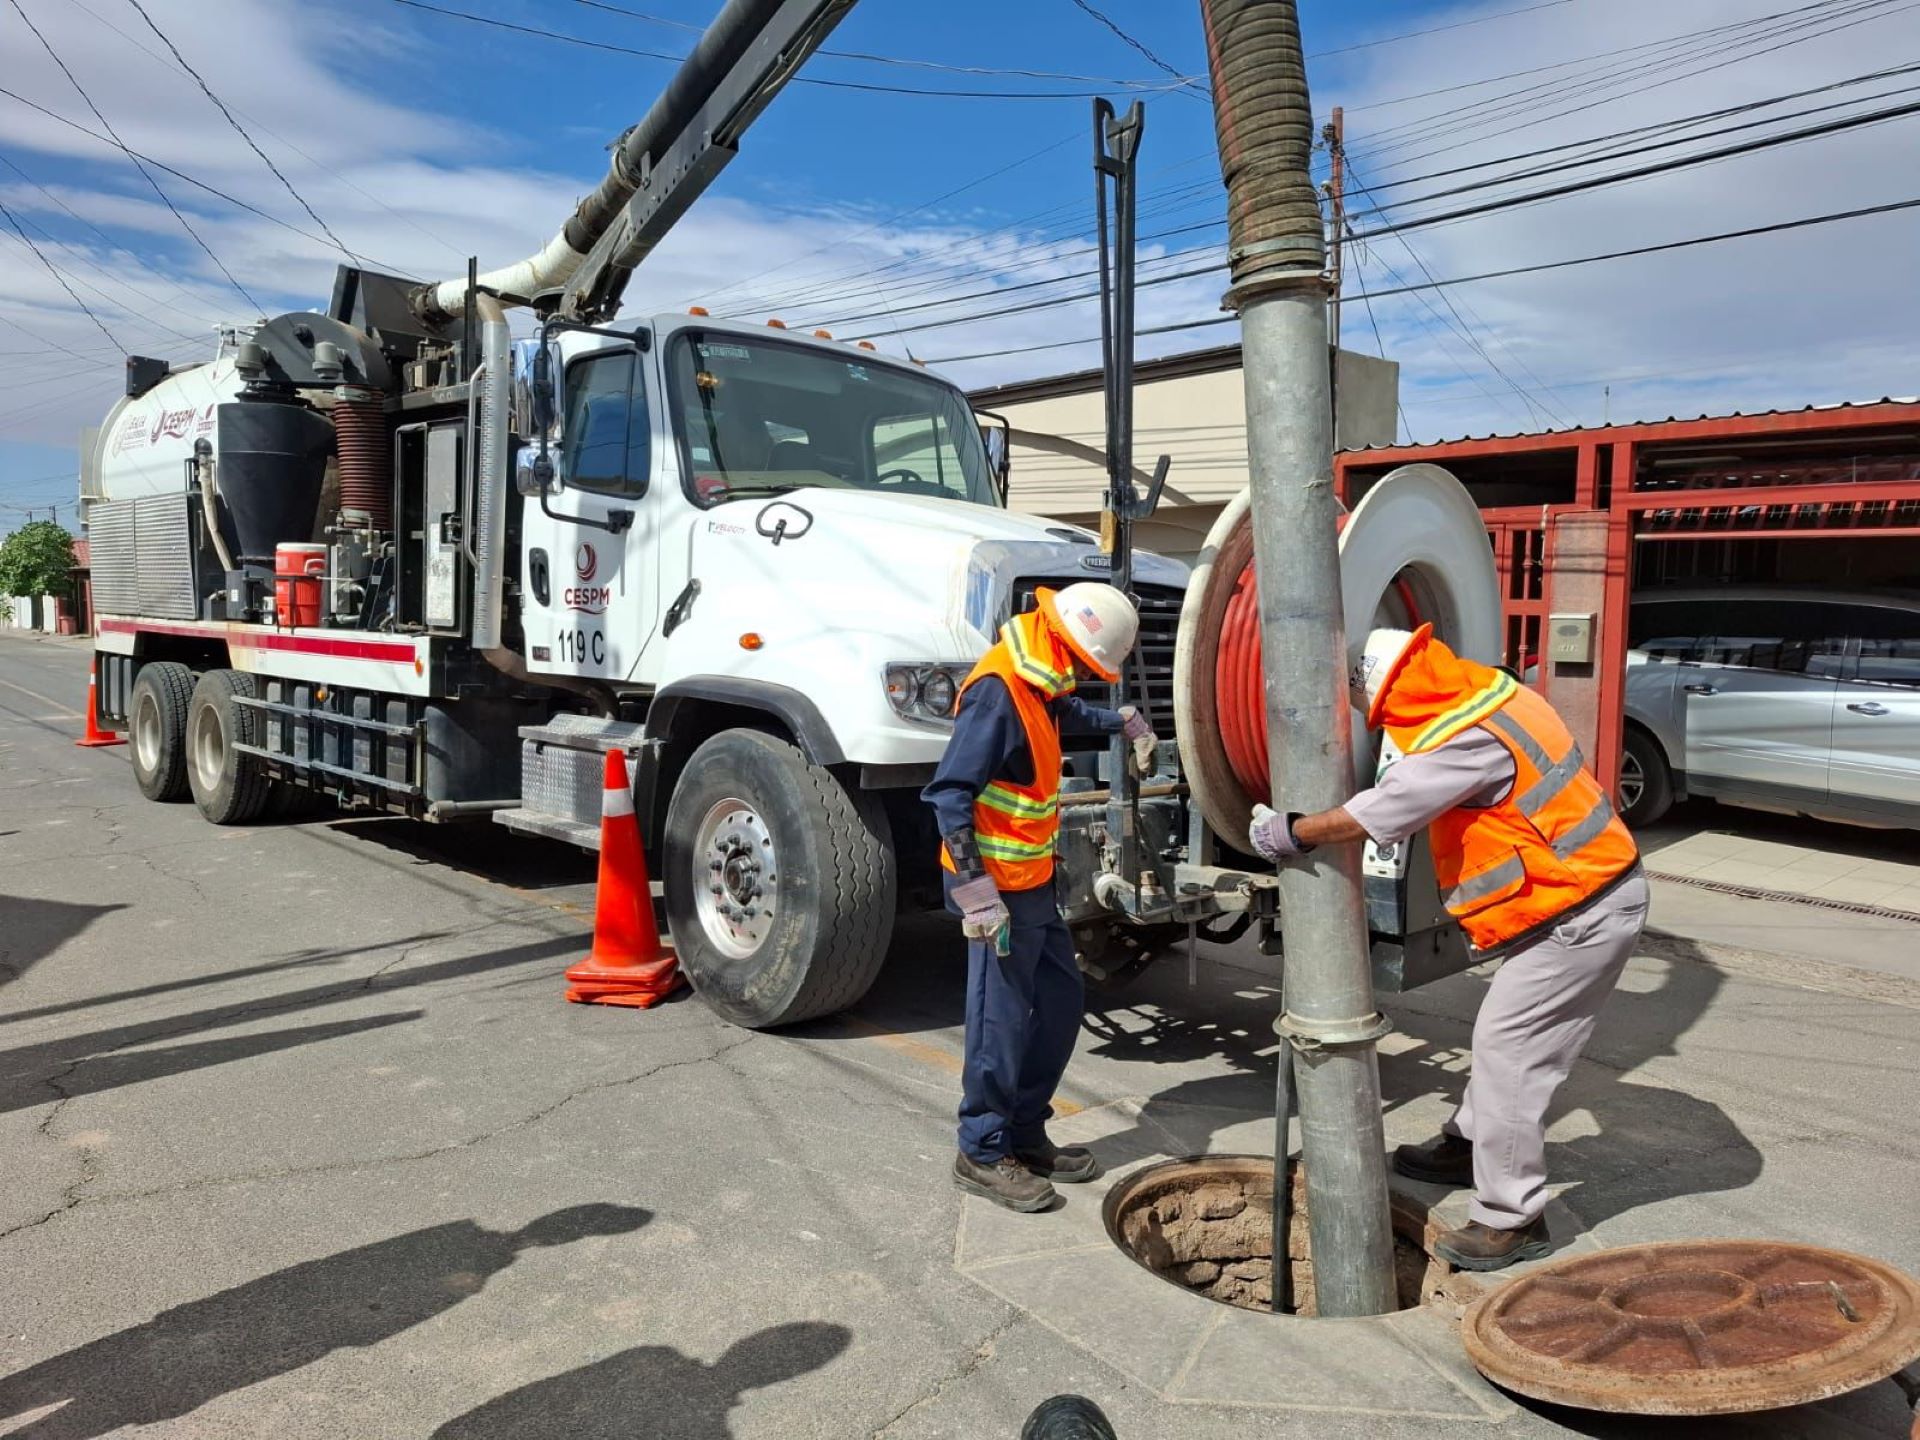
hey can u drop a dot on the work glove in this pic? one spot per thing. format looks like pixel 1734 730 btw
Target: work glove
pixel 1145 743
pixel 983 915
pixel 1271 834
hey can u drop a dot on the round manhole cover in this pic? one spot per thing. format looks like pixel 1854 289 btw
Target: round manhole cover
pixel 1712 1327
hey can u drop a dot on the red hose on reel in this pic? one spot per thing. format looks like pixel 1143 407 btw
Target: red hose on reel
pixel 1239 684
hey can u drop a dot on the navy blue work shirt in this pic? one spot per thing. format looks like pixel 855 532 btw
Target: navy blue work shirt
pixel 989 743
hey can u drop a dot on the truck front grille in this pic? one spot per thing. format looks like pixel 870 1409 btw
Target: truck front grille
pixel 1149 668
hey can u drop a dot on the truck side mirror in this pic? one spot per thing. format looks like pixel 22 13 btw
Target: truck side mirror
pixel 996 434
pixel 543 398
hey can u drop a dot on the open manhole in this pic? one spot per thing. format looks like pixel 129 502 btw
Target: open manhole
pixel 1206 1224
pixel 1697 1327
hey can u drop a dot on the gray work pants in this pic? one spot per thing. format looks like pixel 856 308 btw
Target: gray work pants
pixel 1536 1019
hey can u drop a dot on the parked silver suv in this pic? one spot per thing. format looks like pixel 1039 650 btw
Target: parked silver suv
pixel 1803 701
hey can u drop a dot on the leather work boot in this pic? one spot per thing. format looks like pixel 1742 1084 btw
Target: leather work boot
pixel 1447 1160
pixel 1069 1164
pixel 1481 1247
pixel 1005 1182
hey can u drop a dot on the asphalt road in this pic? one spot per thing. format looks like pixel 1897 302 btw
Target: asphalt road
pixel 299 1139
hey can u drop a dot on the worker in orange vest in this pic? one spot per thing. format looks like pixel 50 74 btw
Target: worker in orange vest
pixel 1537 869
pixel 996 800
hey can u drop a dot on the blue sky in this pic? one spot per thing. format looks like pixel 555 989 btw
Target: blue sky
pixel 420 138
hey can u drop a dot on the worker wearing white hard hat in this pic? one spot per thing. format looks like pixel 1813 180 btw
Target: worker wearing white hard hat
pixel 1536 868
pixel 996 801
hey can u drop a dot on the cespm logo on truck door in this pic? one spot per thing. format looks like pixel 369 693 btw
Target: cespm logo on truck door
pixel 586 597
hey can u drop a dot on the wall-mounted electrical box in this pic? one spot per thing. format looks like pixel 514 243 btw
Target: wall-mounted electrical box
pixel 1570 639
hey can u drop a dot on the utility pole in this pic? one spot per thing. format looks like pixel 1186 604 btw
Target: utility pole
pixel 1335 136
pixel 1279 286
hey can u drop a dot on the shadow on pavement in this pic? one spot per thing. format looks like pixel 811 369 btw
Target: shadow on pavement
pixel 37 928
pixel 652 1390
pixel 194 1353
pixel 194 982
pixel 1652 1142
pixel 477 847
pixel 1874 1412
pixel 26 1069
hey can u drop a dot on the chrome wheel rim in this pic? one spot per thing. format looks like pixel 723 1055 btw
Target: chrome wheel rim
pixel 1633 781
pixel 146 733
pixel 209 746
pixel 733 883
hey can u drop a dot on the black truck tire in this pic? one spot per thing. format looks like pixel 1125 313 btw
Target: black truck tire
pixel 231 788
pixel 157 728
pixel 799 924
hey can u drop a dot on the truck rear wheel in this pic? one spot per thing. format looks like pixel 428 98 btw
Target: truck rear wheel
pixel 229 786
pixel 157 718
pixel 779 882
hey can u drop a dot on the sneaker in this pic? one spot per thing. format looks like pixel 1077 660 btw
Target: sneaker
pixel 1068 1164
pixel 1481 1247
pixel 1005 1182
pixel 1447 1160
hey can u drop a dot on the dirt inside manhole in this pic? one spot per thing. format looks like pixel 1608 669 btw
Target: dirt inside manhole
pixel 1206 1224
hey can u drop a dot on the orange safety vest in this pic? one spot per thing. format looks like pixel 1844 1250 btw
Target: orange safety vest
pixel 1016 826
pixel 1507 869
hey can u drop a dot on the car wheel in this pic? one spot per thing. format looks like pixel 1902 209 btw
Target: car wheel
pixel 1646 780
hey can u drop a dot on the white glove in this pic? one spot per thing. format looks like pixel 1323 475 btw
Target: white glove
pixel 1146 744
pixel 982 912
pixel 1271 835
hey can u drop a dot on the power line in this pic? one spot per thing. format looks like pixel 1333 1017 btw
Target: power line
pixel 138 158
pixel 1433 29
pixel 1777 227
pixel 54 55
pixel 610 48
pixel 241 130
pixel 54 270
pixel 1153 59
pixel 900 61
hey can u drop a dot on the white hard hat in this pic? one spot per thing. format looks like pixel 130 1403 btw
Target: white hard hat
pixel 1100 624
pixel 1378 659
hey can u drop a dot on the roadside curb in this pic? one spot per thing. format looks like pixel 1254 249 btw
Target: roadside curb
pixel 1793 971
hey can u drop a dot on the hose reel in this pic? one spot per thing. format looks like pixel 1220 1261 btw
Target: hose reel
pixel 1413 550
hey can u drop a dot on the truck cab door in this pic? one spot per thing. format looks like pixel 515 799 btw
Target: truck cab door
pixel 591 584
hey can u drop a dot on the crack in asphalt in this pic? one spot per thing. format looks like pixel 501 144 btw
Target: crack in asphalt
pixel 75 1198
pixel 982 1353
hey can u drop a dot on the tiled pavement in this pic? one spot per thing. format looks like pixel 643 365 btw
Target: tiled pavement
pixel 1789 856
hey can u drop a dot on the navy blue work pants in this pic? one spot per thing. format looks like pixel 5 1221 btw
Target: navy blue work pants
pixel 1023 1016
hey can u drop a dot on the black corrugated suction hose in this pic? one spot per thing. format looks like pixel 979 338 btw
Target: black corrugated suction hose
pixel 1264 121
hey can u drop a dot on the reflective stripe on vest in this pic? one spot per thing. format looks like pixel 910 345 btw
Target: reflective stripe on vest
pixel 1015 827
pixel 1508 869
pixel 1469 712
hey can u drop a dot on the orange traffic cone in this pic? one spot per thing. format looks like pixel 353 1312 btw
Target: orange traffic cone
pixel 95 736
pixel 628 965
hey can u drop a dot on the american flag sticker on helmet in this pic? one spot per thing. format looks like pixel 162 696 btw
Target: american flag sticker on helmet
pixel 1090 620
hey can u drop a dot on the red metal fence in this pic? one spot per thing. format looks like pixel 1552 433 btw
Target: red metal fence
pixel 1578 518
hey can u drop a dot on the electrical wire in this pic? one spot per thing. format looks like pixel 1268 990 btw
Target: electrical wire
pixel 54 55
pixel 610 48
pixel 1774 228
pixel 900 61
pixel 241 130
pixel 1153 59
pixel 179 174
pixel 55 271
pixel 1436 29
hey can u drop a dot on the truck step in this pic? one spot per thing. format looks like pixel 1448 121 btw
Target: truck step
pixel 551 827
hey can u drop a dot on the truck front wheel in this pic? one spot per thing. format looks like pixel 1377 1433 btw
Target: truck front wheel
pixel 230 786
pixel 779 882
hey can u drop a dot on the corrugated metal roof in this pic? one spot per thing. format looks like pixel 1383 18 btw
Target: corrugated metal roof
pixel 1631 424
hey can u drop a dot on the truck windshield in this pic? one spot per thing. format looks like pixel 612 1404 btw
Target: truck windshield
pixel 758 417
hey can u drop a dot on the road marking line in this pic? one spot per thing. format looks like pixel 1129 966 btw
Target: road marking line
pixel 44 700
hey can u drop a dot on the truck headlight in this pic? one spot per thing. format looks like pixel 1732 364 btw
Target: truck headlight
pixel 925 690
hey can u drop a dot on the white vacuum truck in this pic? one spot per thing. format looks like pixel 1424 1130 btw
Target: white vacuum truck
pixel 389 555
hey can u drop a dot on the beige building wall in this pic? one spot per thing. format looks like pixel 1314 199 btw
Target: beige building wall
pixel 1191 407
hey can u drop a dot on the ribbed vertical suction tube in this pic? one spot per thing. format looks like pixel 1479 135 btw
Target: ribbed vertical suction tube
pixel 365 455
pixel 489 517
pixel 1263 119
